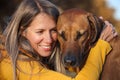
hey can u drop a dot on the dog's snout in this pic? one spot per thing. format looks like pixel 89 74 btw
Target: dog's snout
pixel 70 60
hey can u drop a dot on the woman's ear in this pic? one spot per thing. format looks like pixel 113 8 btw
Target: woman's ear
pixel 23 32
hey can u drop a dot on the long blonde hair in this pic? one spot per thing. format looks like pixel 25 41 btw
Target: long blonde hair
pixel 20 20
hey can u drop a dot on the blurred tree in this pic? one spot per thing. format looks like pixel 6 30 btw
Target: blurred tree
pixel 101 9
pixel 67 4
pixel 98 7
pixel 7 7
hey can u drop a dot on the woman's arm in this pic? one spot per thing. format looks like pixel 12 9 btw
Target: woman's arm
pixel 96 59
pixel 90 71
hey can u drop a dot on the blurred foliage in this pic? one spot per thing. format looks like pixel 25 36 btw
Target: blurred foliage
pixel 98 7
pixel 7 7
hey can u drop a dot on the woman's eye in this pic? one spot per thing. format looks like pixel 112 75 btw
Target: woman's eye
pixel 54 30
pixel 39 32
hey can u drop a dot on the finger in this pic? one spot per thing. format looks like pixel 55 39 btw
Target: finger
pixel 101 17
pixel 115 34
pixel 108 30
pixel 111 36
pixel 106 22
pixel 109 27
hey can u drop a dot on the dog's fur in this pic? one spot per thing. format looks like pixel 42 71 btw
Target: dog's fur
pixel 78 33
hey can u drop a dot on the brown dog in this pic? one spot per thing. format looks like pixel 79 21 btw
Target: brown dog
pixel 78 32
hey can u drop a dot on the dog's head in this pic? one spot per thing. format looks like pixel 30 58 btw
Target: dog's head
pixel 78 30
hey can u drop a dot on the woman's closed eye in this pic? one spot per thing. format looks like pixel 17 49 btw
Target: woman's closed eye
pixel 54 30
pixel 40 32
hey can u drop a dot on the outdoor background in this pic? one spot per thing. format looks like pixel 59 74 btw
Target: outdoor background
pixel 106 8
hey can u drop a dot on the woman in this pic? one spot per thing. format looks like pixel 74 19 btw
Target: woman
pixel 29 46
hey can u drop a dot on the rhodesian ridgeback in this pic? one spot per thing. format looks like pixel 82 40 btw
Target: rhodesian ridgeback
pixel 78 32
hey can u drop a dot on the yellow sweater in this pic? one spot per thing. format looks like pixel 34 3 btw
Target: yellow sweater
pixel 32 70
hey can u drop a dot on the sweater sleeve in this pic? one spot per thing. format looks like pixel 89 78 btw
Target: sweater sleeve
pixel 33 70
pixel 95 61
pixel 91 69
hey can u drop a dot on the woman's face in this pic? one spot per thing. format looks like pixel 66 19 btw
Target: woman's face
pixel 42 34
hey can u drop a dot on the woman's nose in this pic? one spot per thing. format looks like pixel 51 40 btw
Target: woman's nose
pixel 48 38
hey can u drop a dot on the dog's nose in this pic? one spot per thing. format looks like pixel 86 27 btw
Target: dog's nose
pixel 70 60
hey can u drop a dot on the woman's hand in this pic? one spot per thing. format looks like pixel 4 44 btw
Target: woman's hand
pixel 109 32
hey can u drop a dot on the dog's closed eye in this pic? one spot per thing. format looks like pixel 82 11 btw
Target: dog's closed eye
pixel 62 34
pixel 79 34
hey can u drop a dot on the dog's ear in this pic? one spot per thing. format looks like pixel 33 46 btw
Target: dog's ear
pixel 96 26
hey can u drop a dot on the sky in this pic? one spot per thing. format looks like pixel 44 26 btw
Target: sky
pixel 116 5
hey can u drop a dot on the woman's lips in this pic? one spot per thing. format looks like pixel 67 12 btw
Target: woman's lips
pixel 46 47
